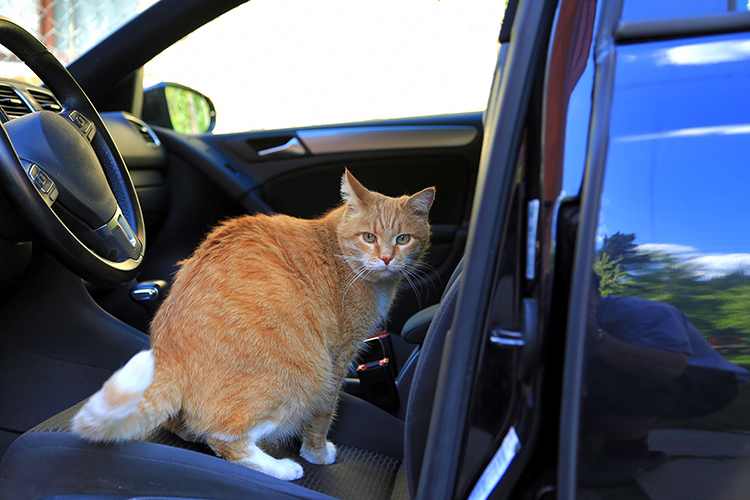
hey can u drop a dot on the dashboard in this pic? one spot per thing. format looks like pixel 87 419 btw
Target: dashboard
pixel 137 142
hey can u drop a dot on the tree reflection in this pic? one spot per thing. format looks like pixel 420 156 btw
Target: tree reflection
pixel 716 304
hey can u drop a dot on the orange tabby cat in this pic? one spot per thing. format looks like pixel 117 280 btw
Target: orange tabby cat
pixel 254 338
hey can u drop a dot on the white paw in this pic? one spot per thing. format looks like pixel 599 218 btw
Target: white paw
pixel 285 469
pixel 323 457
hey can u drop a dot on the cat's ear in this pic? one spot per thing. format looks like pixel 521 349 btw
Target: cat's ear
pixel 353 193
pixel 421 202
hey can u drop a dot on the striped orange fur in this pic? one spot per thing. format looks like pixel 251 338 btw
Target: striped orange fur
pixel 255 336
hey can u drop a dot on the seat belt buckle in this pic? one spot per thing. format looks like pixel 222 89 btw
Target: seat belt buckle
pixel 378 384
pixel 376 348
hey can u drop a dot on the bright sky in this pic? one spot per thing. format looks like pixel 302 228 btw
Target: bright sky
pixel 275 64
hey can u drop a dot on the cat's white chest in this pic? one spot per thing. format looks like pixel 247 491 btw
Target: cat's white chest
pixel 384 295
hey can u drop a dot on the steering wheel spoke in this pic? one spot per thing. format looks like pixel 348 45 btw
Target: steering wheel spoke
pixel 119 239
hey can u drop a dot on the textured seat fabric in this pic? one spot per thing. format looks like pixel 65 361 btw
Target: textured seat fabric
pixel 51 461
pixel 375 459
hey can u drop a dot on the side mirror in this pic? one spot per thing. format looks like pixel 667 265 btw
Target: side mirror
pixel 178 107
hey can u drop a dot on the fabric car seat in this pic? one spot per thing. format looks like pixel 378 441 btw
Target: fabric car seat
pixel 379 455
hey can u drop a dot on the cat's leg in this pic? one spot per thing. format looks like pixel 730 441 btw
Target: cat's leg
pixel 176 425
pixel 245 451
pixel 315 447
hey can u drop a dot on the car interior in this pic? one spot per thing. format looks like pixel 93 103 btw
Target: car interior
pixel 78 286
pixel 479 384
pixel 483 391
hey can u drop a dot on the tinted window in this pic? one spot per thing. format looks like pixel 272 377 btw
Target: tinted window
pixel 665 403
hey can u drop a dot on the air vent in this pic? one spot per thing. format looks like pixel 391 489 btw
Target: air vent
pixel 11 102
pixel 148 135
pixel 45 100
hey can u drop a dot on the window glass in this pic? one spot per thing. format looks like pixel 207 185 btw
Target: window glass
pixel 275 64
pixel 67 28
pixel 665 403
pixel 643 10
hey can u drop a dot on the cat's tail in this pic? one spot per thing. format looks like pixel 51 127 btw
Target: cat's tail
pixel 122 409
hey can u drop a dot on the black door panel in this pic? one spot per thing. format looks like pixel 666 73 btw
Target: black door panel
pixel 311 191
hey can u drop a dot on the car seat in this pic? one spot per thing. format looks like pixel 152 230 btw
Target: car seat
pixel 379 455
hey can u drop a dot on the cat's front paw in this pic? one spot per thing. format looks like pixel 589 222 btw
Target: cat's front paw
pixel 324 456
pixel 285 469
pixel 288 470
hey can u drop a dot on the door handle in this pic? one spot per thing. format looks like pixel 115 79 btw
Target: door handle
pixel 293 147
pixel 527 340
pixel 507 338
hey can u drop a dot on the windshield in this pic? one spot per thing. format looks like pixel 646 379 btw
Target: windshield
pixel 67 27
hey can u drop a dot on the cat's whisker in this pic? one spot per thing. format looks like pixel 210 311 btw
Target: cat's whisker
pixel 421 265
pixel 419 274
pixel 414 276
pixel 406 273
pixel 355 274
pixel 423 269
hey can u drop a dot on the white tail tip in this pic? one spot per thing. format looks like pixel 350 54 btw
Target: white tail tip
pixel 101 418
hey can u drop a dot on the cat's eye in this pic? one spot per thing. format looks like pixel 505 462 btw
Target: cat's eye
pixel 369 237
pixel 403 239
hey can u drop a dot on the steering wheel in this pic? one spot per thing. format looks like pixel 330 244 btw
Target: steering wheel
pixel 64 175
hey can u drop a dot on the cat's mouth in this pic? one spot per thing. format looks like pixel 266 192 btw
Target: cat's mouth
pixel 384 271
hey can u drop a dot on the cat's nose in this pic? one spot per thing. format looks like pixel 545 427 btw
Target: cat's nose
pixel 386 258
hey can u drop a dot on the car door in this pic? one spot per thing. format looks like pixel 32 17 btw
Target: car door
pixel 655 363
pixel 493 426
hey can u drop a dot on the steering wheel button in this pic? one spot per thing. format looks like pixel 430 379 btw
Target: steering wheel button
pixel 83 123
pixel 43 181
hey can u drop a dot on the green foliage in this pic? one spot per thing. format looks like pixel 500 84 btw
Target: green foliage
pixel 734 308
pixel 610 274
pixel 188 111
pixel 620 247
pixel 716 305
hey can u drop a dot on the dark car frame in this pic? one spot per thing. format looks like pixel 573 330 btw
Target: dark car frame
pixel 616 113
